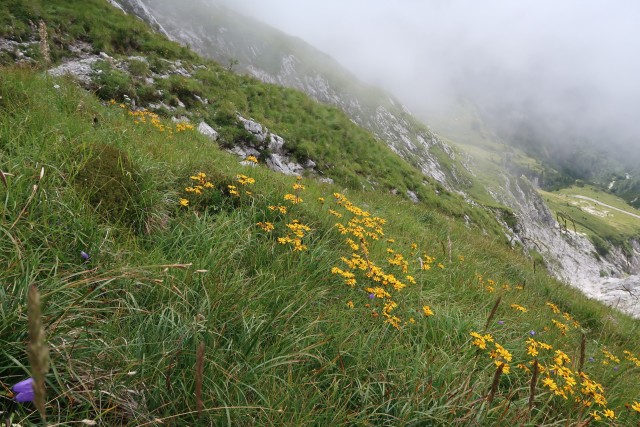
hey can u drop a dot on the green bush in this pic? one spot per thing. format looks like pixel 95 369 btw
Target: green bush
pixel 147 93
pixel 109 180
pixel 111 83
pixel 138 68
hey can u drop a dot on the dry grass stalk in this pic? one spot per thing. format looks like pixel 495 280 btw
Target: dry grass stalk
pixel 494 384
pixel 583 348
pixel 199 376
pixel 493 312
pixel 534 382
pixel 44 44
pixel 38 350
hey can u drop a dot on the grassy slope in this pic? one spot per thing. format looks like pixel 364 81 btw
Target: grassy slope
pixel 597 221
pixel 282 346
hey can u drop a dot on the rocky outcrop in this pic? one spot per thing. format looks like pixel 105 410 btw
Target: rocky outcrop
pixel 270 146
pixel 139 9
pixel 208 131
pixel 570 255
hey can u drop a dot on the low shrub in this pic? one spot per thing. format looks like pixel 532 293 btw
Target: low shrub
pixel 109 180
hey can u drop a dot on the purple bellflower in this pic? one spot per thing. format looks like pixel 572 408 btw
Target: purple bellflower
pixel 24 391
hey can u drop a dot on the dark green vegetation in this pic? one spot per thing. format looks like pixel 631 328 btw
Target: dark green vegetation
pixel 282 347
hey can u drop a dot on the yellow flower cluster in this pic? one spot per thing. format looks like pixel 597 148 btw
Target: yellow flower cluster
pixel 281 209
pixel 534 346
pixel 399 260
pixel 629 356
pixel 295 236
pixel 266 226
pixel 426 261
pixel 481 341
pixel 149 118
pixel 501 356
pixel 244 180
pixel 201 183
pixel 563 381
pixel 518 307
pixel 349 277
pixel 609 357
pixel 561 326
pixel 251 159
pixel 378 292
pixel 293 199
pixel 362 230
pixel 183 126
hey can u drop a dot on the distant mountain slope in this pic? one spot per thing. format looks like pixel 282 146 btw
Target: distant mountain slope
pixel 245 44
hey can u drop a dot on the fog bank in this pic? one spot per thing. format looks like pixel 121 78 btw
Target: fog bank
pixel 573 65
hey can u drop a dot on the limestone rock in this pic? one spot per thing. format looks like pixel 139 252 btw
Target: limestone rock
pixel 413 196
pixel 207 130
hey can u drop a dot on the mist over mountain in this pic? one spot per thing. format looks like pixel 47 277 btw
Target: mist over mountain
pixel 553 74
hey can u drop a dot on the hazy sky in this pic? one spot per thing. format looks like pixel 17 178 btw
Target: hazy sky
pixel 573 60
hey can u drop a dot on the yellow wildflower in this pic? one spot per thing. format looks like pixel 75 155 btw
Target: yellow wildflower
pixel 293 199
pixel 608 413
pixel 518 307
pixel 266 226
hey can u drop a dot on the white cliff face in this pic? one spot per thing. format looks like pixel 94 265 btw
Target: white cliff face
pixel 139 9
pixel 571 256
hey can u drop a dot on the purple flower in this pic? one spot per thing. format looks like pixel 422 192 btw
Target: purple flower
pixel 500 322
pixel 615 368
pixel 84 255
pixel 371 296
pixel 591 359
pixel 532 332
pixel 24 391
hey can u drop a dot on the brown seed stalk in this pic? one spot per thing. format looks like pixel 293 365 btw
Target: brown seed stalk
pixel 493 312
pixel 494 384
pixel 38 351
